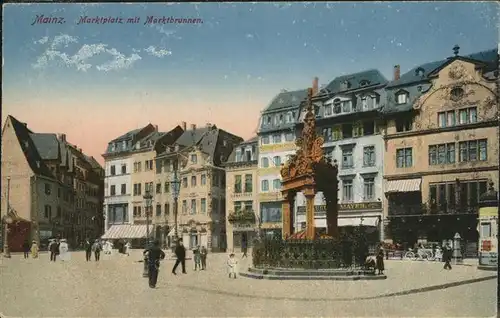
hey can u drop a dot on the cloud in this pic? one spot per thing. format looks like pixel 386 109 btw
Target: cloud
pixel 158 53
pixel 43 40
pixel 120 62
pixel 249 36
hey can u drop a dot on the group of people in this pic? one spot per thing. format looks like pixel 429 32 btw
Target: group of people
pixel 97 247
pixel 59 247
pixel 30 248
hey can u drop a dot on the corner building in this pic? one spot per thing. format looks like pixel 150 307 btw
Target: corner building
pixel 441 147
pixel 276 143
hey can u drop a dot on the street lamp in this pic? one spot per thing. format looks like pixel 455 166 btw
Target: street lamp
pixel 7 220
pixel 175 183
pixel 148 198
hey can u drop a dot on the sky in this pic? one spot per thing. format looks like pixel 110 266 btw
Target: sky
pixel 95 81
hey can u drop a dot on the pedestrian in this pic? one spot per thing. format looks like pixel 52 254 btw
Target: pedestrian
pixel 126 248
pixel 197 258
pixel 64 250
pixel 34 249
pixel 203 255
pixel 96 248
pixel 180 253
pixel 54 249
pixel 244 248
pixel 380 262
pixel 447 256
pixel 154 255
pixel 232 262
pixel 26 249
pixel 88 249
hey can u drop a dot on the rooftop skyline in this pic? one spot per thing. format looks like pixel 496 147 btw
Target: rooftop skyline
pixel 95 82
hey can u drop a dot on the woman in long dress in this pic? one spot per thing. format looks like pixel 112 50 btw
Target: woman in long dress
pixel 64 251
pixel 34 249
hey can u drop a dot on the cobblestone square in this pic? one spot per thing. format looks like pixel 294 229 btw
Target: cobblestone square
pixel 114 287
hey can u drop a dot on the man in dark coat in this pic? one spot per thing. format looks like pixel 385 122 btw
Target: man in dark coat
pixel 26 249
pixel 54 250
pixel 88 249
pixel 180 253
pixel 447 256
pixel 154 255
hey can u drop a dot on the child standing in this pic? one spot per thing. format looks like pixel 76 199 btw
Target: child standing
pixel 231 265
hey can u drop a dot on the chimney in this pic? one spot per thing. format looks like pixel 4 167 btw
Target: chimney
pixel 183 124
pixel 208 125
pixel 315 86
pixel 156 128
pixel 62 137
pixel 193 127
pixel 397 72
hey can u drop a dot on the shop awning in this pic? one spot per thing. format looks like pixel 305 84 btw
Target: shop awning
pixel 407 185
pixel 367 221
pixel 126 231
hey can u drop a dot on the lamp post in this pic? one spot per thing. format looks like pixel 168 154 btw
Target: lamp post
pixel 175 183
pixel 148 198
pixel 7 219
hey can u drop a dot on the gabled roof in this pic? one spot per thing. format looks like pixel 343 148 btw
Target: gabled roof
pixel 128 135
pixel 489 57
pixel 191 137
pixel 231 160
pixel 286 99
pixel 93 162
pixel 34 159
pixel 373 78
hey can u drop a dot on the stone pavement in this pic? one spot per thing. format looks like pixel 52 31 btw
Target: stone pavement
pixel 115 287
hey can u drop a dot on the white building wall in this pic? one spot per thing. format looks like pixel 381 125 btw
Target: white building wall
pixel 117 180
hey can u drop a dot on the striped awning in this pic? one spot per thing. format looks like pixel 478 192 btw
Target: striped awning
pixel 126 231
pixel 407 185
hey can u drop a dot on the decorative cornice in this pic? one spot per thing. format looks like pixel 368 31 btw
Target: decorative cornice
pixel 439 172
pixel 482 124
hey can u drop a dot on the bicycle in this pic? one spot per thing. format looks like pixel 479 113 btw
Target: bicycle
pixel 420 255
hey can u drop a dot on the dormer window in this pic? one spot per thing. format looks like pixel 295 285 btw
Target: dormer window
pixel 194 158
pixel 138 145
pixel 238 155
pixel 281 119
pixel 150 143
pixel 346 106
pixel 124 145
pixel 363 83
pixel 402 97
pixel 112 147
pixel 337 109
pixel 268 120
pixel 328 110
pixel 345 85
pixel 419 72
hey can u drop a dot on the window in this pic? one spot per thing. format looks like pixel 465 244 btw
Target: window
pixel 404 124
pixel 270 212
pixel 327 134
pixel 277 161
pixel 328 110
pixel 139 166
pixel 289 137
pixel 194 159
pixel 347 158
pixel 444 195
pixel 347 190
pixel 203 205
pixel 364 102
pixel 264 162
pixel 346 106
pixel 193 181
pixel 276 139
pixel 265 185
pixel 401 98
pixel 442 154
pixel 48 212
pixel 276 184
pixel 113 190
pixel 166 208
pixel 337 106
pixel 369 156
pixel 158 209
pixel 265 140
pixel 467 116
pixel 347 130
pixel 473 150
pixel 248 183
pixel 184 206
pixel 337 132
pixel 238 156
pixel 124 169
pixel 442 119
pixel 124 189
pixel 158 188
pixel 404 157
pixel 47 189
pixel 203 179
pixel 357 129
pixel 237 184
pixel 184 182
pixel 112 170
pixel 193 206
pixel 456 93
pixel 369 188
pixel 485 230
pixel 368 128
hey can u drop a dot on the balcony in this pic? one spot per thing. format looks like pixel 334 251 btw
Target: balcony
pixel 242 195
pixel 245 216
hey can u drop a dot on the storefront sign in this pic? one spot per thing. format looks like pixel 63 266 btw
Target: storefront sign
pixel 243 227
pixel 346 207
pixel 488 212
pixel 268 225
pixel 271 196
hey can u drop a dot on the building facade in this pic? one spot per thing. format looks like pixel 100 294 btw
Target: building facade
pixel 196 159
pixel 441 147
pixel 118 182
pixel 242 199
pixel 39 174
pixel 276 138
pixel 347 116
